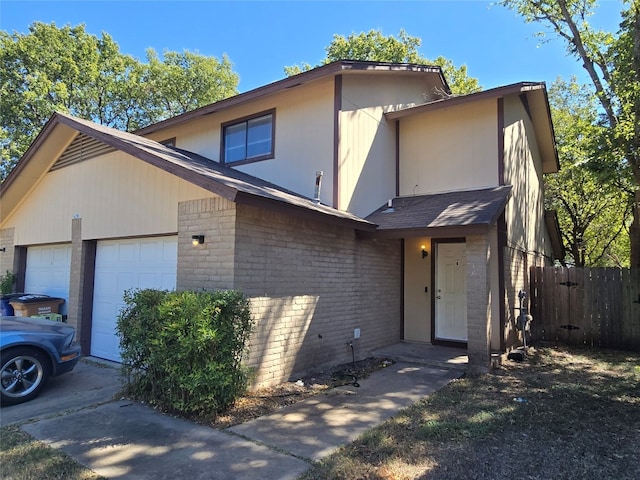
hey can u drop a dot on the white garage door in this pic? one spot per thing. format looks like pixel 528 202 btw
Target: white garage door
pixel 122 265
pixel 48 270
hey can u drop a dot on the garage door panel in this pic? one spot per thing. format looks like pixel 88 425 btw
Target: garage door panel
pixel 168 282
pixel 123 265
pixel 125 281
pixel 48 271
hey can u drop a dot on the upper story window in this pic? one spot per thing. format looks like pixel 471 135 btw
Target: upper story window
pixel 248 139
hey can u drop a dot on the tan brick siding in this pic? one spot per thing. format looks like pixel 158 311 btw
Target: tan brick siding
pixel 311 284
pixel 76 278
pixel 478 303
pixel 7 257
pixel 208 266
pixel 516 273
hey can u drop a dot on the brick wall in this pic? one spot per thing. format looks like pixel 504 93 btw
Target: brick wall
pixel 311 284
pixel 76 277
pixel 208 266
pixel 516 265
pixel 7 257
pixel 478 303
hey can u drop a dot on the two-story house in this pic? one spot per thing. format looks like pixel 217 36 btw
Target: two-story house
pixel 358 203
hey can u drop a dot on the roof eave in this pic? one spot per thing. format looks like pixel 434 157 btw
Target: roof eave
pixel 330 69
pixel 432 232
pixel 451 101
pixel 555 234
pixel 244 198
pixel 140 152
pixel 54 137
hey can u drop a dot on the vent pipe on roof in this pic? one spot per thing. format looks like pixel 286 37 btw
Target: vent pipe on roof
pixel 316 197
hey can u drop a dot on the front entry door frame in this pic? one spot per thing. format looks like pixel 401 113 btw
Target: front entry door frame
pixel 457 297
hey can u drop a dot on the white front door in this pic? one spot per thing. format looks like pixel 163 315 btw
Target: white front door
pixel 123 265
pixel 451 292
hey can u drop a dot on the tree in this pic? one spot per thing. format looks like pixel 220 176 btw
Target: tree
pixel 594 218
pixel 374 46
pixel 66 69
pixel 613 65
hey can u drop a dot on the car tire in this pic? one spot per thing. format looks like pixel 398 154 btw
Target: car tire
pixel 23 374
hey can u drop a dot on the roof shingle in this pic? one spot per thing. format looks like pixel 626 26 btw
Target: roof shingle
pixel 479 208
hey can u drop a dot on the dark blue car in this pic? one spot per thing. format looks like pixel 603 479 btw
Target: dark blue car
pixel 32 350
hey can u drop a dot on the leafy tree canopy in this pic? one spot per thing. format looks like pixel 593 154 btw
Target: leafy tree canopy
pixel 612 62
pixel 69 70
pixel 594 218
pixel 374 46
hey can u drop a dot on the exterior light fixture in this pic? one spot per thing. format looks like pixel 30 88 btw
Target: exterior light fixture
pixel 424 252
pixel 197 240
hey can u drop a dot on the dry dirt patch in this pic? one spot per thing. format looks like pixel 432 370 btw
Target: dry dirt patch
pixel 267 400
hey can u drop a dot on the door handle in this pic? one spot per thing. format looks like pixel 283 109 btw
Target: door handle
pixel 438 297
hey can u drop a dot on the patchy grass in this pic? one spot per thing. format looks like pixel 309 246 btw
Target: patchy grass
pixel 561 414
pixel 24 458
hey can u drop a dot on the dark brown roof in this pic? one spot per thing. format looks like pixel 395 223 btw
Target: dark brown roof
pixel 442 214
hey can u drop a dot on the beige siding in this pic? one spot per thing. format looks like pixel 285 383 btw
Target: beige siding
pixel 367 164
pixel 417 302
pixel 525 212
pixel 527 240
pixel 303 137
pixel 449 149
pixel 104 192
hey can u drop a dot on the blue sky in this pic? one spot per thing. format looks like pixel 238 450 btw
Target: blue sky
pixel 262 37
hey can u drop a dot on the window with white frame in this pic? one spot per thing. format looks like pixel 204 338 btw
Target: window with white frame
pixel 249 139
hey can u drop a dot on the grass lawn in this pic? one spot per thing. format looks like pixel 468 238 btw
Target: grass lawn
pixel 24 458
pixel 561 414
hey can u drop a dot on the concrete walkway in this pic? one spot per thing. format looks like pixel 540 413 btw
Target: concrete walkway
pixel 120 439
pixel 313 428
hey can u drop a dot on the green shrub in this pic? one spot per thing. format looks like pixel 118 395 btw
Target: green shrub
pixel 183 351
pixel 7 281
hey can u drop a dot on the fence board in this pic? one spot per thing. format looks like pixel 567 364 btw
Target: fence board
pixel 586 306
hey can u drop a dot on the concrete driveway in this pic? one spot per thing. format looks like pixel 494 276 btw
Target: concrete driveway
pixel 92 382
pixel 82 414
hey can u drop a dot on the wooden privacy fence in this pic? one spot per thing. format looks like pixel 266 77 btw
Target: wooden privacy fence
pixel 586 306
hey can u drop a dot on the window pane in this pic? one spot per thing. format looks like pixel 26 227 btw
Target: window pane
pixel 259 136
pixel 235 140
